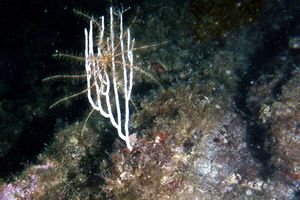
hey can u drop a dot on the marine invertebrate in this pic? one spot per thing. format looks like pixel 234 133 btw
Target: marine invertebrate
pixel 109 71
pixel 101 73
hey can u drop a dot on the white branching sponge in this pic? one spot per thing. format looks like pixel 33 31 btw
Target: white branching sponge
pixel 109 72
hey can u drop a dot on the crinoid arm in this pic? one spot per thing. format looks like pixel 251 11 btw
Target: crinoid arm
pixel 68 98
pixel 70 57
pixel 87 16
pixel 86 120
pixel 150 46
pixel 65 76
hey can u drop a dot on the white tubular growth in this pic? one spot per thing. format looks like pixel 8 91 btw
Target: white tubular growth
pixel 114 55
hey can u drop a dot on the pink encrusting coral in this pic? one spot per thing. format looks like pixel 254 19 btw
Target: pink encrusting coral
pixel 29 186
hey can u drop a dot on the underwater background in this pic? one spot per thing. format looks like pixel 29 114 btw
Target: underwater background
pixel 215 104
